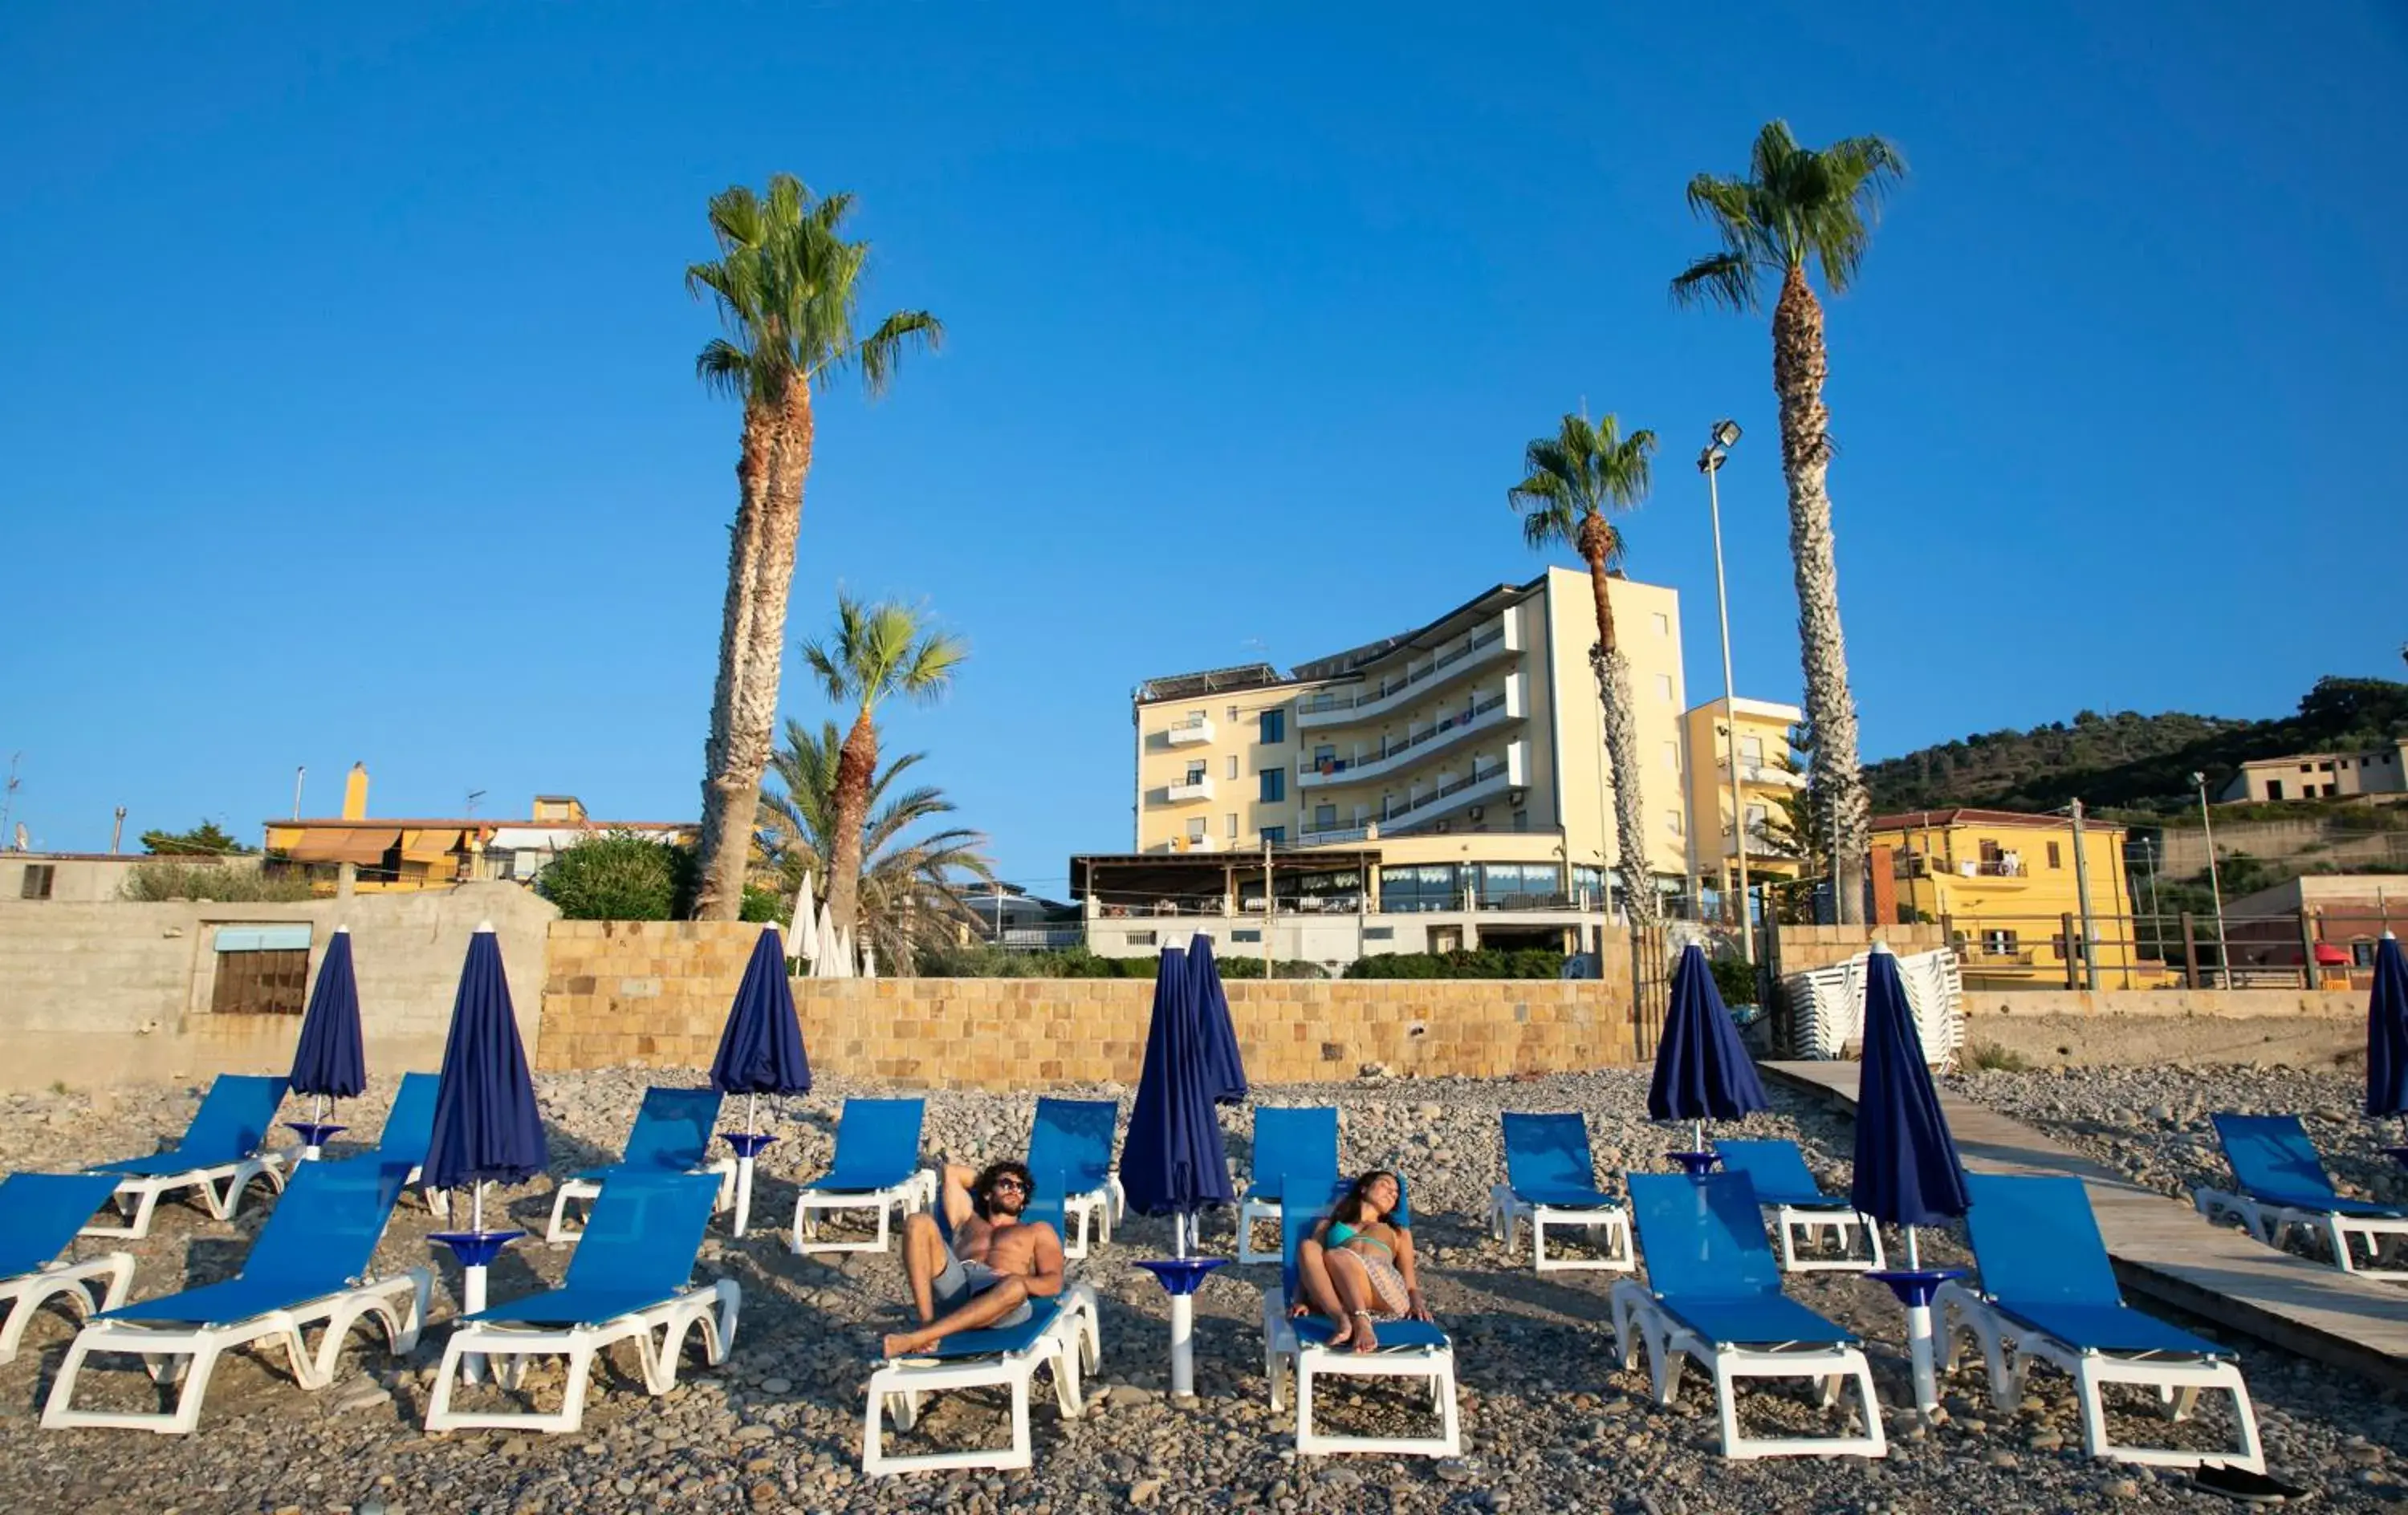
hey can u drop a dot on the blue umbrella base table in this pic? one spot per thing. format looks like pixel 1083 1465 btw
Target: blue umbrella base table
pixel 747 1145
pixel 1915 1287
pixel 314 1136
pixel 1180 1278
pixel 1697 1165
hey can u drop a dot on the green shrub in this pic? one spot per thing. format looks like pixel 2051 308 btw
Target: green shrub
pixel 166 880
pixel 979 961
pixel 1478 962
pixel 619 876
pixel 762 905
pixel 1989 1057
pixel 1735 980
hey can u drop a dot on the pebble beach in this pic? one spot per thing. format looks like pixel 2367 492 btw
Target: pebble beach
pixel 1551 1420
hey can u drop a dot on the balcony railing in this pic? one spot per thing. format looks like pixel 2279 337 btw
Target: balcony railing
pixel 1762 773
pixel 1912 866
pixel 1194 729
pixel 1398 809
pixel 1384 760
pixel 1330 704
pixel 1195 787
pixel 1351 831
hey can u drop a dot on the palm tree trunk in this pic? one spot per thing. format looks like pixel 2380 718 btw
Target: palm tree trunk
pixel 729 796
pixel 1800 366
pixel 1612 673
pixel 854 767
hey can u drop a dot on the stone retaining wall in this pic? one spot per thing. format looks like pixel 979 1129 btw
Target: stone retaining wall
pixel 655 993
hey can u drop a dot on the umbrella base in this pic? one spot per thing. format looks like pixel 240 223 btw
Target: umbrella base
pixel 476 1249
pixel 746 1143
pixel 314 1135
pixel 1916 1286
pixel 1697 1165
pixel 1181 1275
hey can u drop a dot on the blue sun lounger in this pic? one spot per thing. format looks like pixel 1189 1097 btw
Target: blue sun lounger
pixel 1294 1146
pixel 221 1152
pixel 1800 1210
pixel 2283 1185
pixel 409 1125
pixel 2046 1281
pixel 631 1279
pixel 1551 1181
pixel 1060 1333
pixel 1714 1294
pixel 1298 1347
pixel 1073 1138
pixel 41 1214
pixel 311 1265
pixel 876 1167
pixel 673 1132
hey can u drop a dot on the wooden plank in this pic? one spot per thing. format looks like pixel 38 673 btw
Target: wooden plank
pixel 2163 1248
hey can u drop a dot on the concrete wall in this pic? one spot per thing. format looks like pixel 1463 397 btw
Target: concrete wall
pixel 120 992
pixel 2182 850
pixel 84 879
pixel 656 995
pixel 2292 1027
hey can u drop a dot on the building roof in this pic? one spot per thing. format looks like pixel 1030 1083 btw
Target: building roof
pixel 1969 816
pixel 36 855
pixel 2292 760
pixel 475 824
pixel 1183 686
pixel 1768 709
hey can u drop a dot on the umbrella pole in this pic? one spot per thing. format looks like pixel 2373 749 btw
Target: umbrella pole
pixel 1697 1136
pixel 1918 1335
pixel 1183 1322
pixel 472 1284
pixel 744 1164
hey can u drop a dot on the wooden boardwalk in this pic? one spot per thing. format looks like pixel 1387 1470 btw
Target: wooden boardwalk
pixel 2164 1251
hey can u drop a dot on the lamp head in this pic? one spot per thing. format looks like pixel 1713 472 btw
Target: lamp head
pixel 1726 433
pixel 2199 779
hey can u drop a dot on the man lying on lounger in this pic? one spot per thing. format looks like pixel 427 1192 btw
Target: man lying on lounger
pixel 997 1262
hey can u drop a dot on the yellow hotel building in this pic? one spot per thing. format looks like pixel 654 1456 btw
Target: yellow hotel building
pixel 1457 768
pixel 2006 884
pixel 1765 781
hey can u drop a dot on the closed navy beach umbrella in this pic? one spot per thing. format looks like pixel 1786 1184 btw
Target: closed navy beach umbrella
pixel 329 1061
pixel 1224 1066
pixel 1172 1163
pixel 1907 1170
pixel 760 1052
pixel 486 1126
pixel 2386 1032
pixel 1702 1069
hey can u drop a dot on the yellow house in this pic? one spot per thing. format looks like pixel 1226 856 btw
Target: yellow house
pixel 2007 886
pixel 390 854
pixel 1765 781
pixel 1463 758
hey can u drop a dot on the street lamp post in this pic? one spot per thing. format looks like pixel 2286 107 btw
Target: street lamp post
pixel 2214 884
pixel 1710 463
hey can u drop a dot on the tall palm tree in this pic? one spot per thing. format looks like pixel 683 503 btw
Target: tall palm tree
pixel 912 888
pixel 878 652
pixel 786 283
pixel 1798 205
pixel 1576 479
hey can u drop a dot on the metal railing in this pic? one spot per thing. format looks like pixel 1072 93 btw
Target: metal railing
pixel 1405 807
pixel 1320 704
pixel 1451 725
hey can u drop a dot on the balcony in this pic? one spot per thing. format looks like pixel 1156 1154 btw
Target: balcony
pixel 1451 732
pixel 1195 731
pixel 1499 642
pixel 1310 835
pixel 1758 773
pixel 1481 787
pixel 1910 866
pixel 1186 791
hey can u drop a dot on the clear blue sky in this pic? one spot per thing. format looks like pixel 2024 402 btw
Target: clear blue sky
pixel 345 409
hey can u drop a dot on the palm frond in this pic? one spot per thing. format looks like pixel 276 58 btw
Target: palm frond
pixel 1586 470
pixel 1797 205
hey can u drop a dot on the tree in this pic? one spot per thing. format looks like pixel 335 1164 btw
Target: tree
pixel 1798 205
pixel 618 875
pixel 1575 479
pixel 907 886
pixel 786 284
pixel 878 652
pixel 208 840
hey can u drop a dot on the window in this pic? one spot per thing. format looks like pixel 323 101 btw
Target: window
pixel 1664 685
pixel 1673 823
pixel 1750 751
pixel 261 970
pixel 1379 934
pixel 37 881
pixel 1254 933
pixel 1663 625
pixel 1233 715
pixel 1274 785
pixel 1274 727
pixel 1999 943
pixel 2324 768
pixel 2053 860
pixel 1195 772
pixel 1232 770
pixel 1992 852
pixel 2361 954
pixel 1140 939
pixel 2273 789
pixel 1276 835
pixel 1325 818
pixel 1196 829
pixel 2330 790
pixel 1673 756
pixel 1427 886
pixel 2305 767
pixel 1230 825
pixel 1756 815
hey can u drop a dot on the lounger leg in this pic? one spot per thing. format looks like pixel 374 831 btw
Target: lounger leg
pixel 1303 1399
pixel 2340 1236
pixel 1788 1253
pixel 1450 1417
pixel 2094 1411
pixel 1023 1445
pixel 572 1404
pixel 1727 1411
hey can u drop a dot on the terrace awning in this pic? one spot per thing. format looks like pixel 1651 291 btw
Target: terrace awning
pixel 430 846
pixel 364 846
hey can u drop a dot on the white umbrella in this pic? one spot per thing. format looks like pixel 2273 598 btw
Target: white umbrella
pixel 868 962
pixel 805 926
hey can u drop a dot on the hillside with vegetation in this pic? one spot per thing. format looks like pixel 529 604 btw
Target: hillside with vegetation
pixel 2132 761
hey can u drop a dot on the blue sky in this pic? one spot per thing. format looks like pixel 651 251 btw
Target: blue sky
pixel 346 407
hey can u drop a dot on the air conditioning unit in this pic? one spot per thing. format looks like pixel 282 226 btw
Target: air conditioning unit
pixel 1478 811
pixel 1441 825
pixel 1515 796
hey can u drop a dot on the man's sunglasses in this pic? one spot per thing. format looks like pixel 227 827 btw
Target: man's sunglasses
pixel 1008 1181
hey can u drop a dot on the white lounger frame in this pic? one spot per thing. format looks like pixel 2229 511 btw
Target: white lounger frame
pixel 1105 1205
pixel 186 1354
pixel 916 1193
pixel 584 1190
pixel 24 1296
pixel 1284 1354
pixel 1508 1211
pixel 657 1330
pixel 1794 1224
pixel 1071 1344
pixel 1640 1318
pixel 1251 1209
pixel 137 1198
pixel 2271 1223
pixel 2178 1378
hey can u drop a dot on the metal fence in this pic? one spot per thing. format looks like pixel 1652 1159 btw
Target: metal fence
pixel 2312 949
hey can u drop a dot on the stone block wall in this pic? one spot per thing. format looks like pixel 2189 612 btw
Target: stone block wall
pixel 656 993
pixel 1819 947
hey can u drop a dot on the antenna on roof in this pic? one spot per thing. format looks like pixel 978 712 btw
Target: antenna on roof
pixel 473 795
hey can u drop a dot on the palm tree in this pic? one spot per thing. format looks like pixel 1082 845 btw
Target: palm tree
pixel 911 888
pixel 878 650
pixel 1576 479
pixel 786 282
pixel 1798 205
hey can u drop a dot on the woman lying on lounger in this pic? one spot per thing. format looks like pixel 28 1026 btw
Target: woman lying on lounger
pixel 1358 1268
